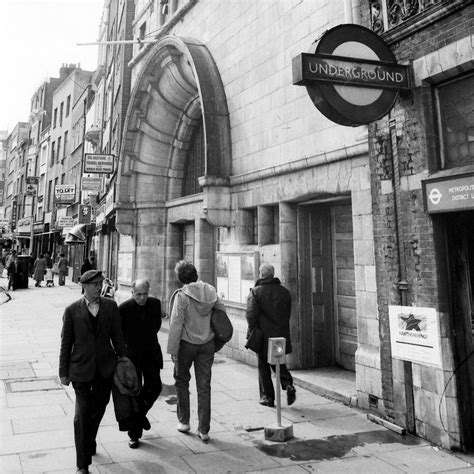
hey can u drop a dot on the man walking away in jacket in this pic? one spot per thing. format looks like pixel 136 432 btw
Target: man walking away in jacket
pixel 91 340
pixel 141 321
pixel 269 308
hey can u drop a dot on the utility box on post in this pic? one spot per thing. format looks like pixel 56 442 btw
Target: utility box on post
pixel 276 355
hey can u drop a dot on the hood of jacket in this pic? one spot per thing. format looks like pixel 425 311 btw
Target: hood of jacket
pixel 203 296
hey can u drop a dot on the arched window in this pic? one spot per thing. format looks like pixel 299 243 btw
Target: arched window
pixel 194 167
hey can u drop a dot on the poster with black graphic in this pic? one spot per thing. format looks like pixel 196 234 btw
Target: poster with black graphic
pixel 414 334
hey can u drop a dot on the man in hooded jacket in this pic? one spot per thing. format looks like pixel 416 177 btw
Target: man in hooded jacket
pixel 191 341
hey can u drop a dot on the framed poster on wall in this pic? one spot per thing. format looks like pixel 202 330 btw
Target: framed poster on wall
pixel 236 273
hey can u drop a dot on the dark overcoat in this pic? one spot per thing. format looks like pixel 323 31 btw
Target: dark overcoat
pixel 269 308
pixel 84 351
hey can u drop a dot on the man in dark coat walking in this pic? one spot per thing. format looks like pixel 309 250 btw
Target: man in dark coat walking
pixel 141 321
pixel 91 325
pixel 269 308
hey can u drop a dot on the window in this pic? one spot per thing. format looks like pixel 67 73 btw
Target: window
pixel 253 226
pixel 68 105
pixel 61 111
pixel 65 144
pixel 194 167
pixel 142 33
pixel 50 196
pixel 455 106
pixel 55 117
pixel 58 154
pixel 53 152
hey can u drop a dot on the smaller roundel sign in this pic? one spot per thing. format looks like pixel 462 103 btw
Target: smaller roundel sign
pixel 352 77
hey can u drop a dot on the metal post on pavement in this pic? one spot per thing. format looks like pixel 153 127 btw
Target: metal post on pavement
pixel 275 356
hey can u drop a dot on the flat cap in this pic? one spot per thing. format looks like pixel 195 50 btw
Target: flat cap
pixel 91 276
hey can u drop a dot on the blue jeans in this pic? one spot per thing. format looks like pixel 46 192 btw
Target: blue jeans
pixel 202 355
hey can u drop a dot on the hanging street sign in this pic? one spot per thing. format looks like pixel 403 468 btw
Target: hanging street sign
pixel 65 193
pixel 65 221
pixel 449 194
pixel 98 163
pixel 352 77
pixel 91 183
pixel 85 212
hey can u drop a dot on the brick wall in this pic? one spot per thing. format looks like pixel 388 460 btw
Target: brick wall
pixel 416 141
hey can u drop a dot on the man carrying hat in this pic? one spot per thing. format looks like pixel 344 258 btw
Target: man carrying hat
pixel 91 342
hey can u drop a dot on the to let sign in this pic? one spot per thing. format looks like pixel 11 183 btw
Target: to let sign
pixel 65 193
pixel 449 194
pixel 98 163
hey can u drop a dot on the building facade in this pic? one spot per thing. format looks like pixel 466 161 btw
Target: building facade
pixel 226 163
pixel 421 158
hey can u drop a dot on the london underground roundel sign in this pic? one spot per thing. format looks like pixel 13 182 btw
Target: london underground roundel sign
pixel 352 77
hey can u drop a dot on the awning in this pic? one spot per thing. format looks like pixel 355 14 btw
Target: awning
pixel 76 235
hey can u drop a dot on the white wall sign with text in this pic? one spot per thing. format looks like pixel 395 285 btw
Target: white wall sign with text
pixel 414 334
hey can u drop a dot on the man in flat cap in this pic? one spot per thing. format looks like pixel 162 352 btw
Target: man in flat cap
pixel 91 342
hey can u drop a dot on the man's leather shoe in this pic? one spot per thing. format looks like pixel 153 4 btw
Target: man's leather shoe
pixel 146 424
pixel 83 470
pixel 267 403
pixel 133 443
pixel 290 394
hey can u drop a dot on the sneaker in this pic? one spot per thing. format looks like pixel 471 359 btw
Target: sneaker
pixel 204 437
pixel 266 402
pixel 290 394
pixel 183 427
pixel 133 443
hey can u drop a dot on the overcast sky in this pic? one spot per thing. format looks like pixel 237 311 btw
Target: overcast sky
pixel 36 38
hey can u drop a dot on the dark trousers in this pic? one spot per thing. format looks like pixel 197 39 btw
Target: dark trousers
pixel 61 278
pixel 265 377
pixel 202 356
pixel 11 281
pixel 91 401
pixel 148 370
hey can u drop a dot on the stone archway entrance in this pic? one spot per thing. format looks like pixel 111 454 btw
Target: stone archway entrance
pixel 178 88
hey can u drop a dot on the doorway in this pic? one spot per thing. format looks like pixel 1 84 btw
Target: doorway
pixel 328 301
pixel 460 250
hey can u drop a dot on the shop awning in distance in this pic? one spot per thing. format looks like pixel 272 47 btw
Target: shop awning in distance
pixel 76 235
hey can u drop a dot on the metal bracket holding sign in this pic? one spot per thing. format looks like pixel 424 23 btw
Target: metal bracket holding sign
pixel 98 163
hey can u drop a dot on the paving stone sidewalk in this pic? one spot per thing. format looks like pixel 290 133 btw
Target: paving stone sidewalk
pixel 37 416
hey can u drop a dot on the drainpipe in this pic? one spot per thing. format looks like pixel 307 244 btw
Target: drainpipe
pixel 402 283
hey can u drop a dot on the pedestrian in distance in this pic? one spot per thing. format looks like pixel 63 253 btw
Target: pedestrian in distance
pixel 39 269
pixel 31 265
pixel 141 321
pixel 86 266
pixel 269 308
pixel 62 269
pixel 12 267
pixel 191 341
pixel 49 261
pixel 91 342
